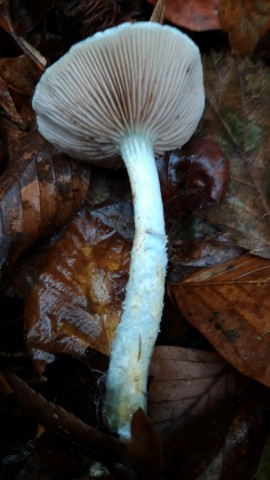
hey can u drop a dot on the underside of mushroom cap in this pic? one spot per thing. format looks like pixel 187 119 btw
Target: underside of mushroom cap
pixel 140 78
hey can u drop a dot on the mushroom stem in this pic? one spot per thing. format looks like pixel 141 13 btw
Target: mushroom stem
pixel 139 325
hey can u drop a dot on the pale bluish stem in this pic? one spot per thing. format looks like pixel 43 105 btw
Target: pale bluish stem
pixel 139 325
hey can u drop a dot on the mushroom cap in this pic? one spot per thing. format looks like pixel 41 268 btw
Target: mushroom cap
pixel 140 78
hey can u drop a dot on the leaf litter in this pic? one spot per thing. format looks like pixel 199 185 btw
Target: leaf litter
pixel 200 430
pixel 237 115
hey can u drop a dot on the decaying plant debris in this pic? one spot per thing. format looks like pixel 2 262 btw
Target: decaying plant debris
pixel 66 234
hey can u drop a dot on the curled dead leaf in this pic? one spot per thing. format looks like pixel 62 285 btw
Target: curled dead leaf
pixel 77 297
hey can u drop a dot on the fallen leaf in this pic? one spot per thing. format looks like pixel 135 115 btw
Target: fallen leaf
pixel 17 80
pixel 237 115
pixel 39 192
pixel 198 15
pixel 109 201
pixel 185 383
pixel 65 423
pixel 40 189
pixel 77 297
pixel 143 452
pixel 229 305
pixel 19 74
pixel 191 401
pixel 16 75
pixel 244 441
pixel 8 106
pixel 245 21
pixel 145 449
pixel 195 244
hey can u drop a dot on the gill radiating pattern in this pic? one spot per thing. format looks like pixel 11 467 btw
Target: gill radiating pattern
pixel 130 78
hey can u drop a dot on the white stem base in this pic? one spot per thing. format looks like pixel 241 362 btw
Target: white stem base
pixel 139 326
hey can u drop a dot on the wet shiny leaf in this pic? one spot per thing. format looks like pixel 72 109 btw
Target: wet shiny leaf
pixel 77 297
pixel 39 192
pixel 229 305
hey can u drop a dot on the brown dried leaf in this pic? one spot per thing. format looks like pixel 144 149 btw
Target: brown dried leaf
pixel 39 192
pixel 237 115
pixel 244 442
pixel 145 449
pixel 40 189
pixel 8 106
pixel 185 382
pixel 196 245
pixel 229 305
pixel 66 424
pixel 191 397
pixel 18 78
pixel 76 300
pixel 109 201
pixel 143 452
pixel 198 15
pixel 246 21
pixel 19 74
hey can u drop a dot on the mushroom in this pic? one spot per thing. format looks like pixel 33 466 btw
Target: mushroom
pixel 135 90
